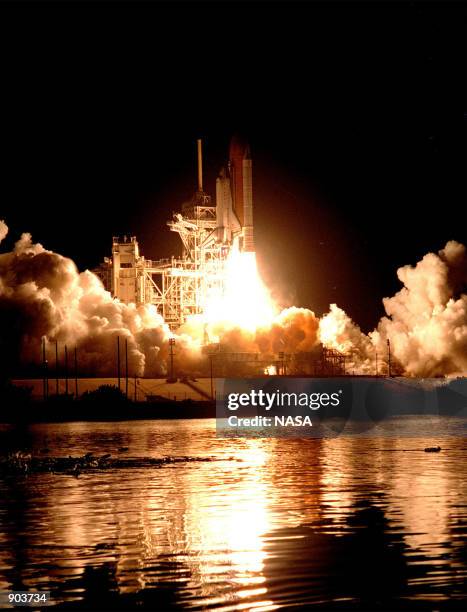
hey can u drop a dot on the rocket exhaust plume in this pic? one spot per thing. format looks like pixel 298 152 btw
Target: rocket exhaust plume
pixel 229 306
pixel 42 294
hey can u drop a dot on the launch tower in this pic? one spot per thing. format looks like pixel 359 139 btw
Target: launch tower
pixel 178 286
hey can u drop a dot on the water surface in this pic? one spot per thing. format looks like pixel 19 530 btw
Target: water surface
pixel 342 523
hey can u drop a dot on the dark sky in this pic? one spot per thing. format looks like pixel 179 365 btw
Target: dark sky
pixel 355 114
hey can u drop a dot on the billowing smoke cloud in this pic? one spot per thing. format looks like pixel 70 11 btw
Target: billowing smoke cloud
pixel 3 229
pixel 426 322
pixel 427 318
pixel 339 332
pixel 293 330
pixel 42 294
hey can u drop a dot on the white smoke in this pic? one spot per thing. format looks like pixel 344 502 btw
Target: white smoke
pixel 3 229
pixel 339 332
pixel 42 294
pixel 426 322
pixel 427 318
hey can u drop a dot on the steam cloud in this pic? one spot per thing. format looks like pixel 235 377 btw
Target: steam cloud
pixel 427 318
pixel 42 294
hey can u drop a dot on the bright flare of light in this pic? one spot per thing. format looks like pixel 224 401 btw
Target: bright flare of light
pixel 244 302
pixel 332 331
pixel 328 331
pixel 270 370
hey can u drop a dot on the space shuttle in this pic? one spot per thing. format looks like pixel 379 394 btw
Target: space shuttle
pixel 234 197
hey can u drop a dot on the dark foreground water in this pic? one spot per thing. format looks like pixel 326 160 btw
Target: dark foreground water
pixel 344 523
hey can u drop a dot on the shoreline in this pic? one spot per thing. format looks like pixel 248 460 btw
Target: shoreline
pixel 68 410
pixel 366 399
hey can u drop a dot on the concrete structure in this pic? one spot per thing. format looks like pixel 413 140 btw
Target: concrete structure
pixel 178 286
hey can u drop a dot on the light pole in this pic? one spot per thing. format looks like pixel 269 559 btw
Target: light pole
pixel 389 358
pixel 56 367
pixel 45 368
pixel 66 371
pixel 76 373
pixel 118 361
pixel 171 346
pixel 212 385
pixel 126 367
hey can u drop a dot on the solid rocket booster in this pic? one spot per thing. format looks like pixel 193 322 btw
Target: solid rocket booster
pixel 242 189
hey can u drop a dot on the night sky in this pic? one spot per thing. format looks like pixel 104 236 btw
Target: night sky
pixel 355 114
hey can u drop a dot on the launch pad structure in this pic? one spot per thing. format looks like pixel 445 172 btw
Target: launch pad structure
pixel 178 286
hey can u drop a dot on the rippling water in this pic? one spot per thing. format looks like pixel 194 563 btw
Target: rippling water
pixel 340 523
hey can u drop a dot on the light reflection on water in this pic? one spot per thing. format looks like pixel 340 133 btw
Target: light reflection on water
pixel 340 522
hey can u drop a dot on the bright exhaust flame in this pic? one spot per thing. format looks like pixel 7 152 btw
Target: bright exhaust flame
pixel 244 302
